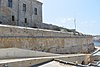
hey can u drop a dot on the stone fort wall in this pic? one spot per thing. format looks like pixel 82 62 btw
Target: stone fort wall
pixel 19 13
pixel 44 40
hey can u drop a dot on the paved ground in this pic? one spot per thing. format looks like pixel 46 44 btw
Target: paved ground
pixel 97 47
pixel 26 59
pixel 56 64
pixel 27 56
pixel 22 53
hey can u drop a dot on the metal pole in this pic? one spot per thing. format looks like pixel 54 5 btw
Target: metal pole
pixel 75 23
pixel 75 26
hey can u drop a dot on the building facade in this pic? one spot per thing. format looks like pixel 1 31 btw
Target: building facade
pixel 20 12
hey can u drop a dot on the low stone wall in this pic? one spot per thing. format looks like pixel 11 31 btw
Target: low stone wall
pixel 14 53
pixel 44 40
pixel 34 61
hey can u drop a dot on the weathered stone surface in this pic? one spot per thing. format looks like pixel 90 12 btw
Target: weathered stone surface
pixel 44 40
pixel 26 62
pixel 12 53
pixel 19 14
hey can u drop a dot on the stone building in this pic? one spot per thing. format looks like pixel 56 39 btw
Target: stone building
pixel 20 12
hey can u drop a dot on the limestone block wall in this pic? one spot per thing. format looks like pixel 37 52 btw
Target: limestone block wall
pixel 16 10
pixel 44 40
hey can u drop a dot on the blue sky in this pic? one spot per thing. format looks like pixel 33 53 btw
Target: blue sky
pixel 63 12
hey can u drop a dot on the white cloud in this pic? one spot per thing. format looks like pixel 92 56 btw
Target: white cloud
pixel 67 20
pixel 70 19
pixel 86 26
pixel 64 22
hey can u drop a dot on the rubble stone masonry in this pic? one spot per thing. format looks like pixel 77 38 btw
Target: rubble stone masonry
pixel 44 40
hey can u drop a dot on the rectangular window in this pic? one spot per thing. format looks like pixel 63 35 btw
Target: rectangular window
pixel 13 18
pixel 10 3
pixel 24 7
pixel 25 20
pixel 35 11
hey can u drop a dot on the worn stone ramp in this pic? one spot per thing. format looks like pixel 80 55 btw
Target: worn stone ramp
pixel 9 53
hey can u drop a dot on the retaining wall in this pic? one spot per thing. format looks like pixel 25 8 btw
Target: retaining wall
pixel 44 40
